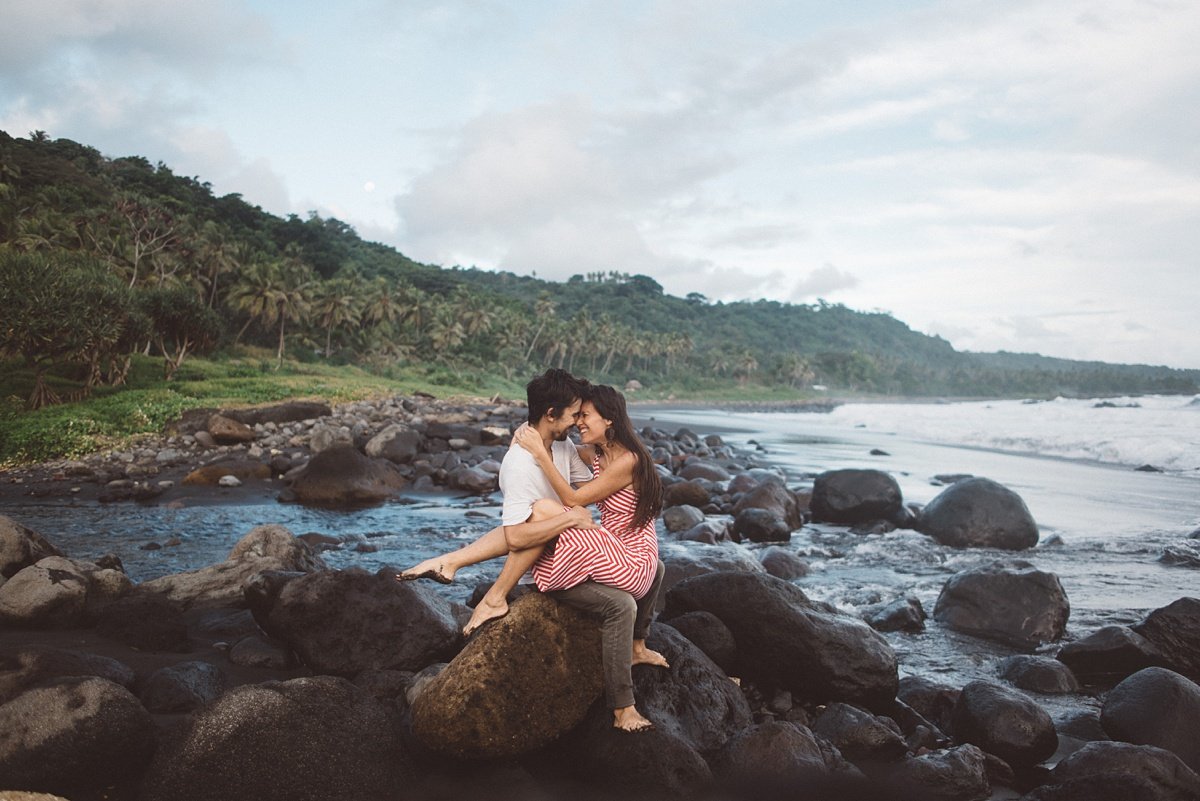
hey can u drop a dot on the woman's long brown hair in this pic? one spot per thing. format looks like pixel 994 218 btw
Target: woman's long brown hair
pixel 611 406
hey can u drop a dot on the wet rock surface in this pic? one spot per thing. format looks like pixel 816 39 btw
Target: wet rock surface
pixel 1014 603
pixel 979 513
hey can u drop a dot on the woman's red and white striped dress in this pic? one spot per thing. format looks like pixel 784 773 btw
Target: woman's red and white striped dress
pixel 614 554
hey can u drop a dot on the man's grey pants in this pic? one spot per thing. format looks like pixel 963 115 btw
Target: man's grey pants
pixel 623 621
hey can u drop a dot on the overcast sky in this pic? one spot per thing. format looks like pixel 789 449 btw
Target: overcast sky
pixel 1010 175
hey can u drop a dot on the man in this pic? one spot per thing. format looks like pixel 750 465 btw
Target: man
pixel 554 401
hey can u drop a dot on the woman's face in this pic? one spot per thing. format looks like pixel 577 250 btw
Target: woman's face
pixel 591 425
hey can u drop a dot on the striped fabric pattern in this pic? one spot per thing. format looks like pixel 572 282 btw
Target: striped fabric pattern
pixel 615 554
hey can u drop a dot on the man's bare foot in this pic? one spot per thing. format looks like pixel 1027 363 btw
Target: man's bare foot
pixel 627 718
pixel 431 569
pixel 644 656
pixel 485 610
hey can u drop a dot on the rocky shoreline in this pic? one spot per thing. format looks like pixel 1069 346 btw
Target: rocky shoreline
pixel 269 675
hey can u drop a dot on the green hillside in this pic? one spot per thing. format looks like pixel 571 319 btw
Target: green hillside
pixel 104 257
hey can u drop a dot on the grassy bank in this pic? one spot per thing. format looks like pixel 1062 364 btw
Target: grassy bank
pixel 146 403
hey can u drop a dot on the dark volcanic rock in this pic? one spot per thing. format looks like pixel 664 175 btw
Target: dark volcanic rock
pixel 855 496
pixel 36 665
pixel 492 699
pixel 474 480
pixel 934 702
pixel 693 700
pixel 761 525
pixel 681 518
pixel 1004 722
pixel 648 765
pixel 182 687
pixel 340 622
pixel 1108 771
pixel 220 585
pixel 781 751
pixel 1014 603
pixel 902 614
pixel 396 443
pixel 979 513
pixel 859 735
pixel 21 547
pixel 1109 654
pixel 684 560
pixel 787 641
pixel 145 621
pixel 1157 707
pixel 1175 632
pixel 341 476
pixel 710 635
pixel 698 468
pixel 956 774
pixel 690 493
pixel 782 563
pixel 210 475
pixel 773 496
pixel 1039 674
pixel 1185 553
pixel 227 431
pixel 308 739
pixel 74 735
pixel 289 412
pixel 52 593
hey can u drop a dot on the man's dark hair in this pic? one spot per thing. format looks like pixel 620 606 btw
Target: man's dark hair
pixel 551 392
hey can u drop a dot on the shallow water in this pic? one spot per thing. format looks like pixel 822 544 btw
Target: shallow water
pixel 1113 523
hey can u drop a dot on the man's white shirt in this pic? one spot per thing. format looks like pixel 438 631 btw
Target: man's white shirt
pixel 522 481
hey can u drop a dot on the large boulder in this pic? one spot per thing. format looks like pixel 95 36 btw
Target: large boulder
pixel 761 525
pixel 1157 707
pixel 521 682
pixel 1039 674
pixel 1175 632
pixel 693 699
pixel 341 622
pixel 932 701
pixel 681 518
pixel 1111 771
pixel 73 736
pixel 227 431
pixel 308 739
pixel 706 631
pixel 29 666
pixel 243 470
pixel 902 614
pixel 783 563
pixel 21 547
pixel 1109 654
pixel 686 493
pixel 955 774
pixel 1013 602
pixel 52 593
pixel 474 480
pixel 341 476
pixel 263 548
pixel 859 735
pixel 775 751
pixel 289 412
pixel 397 443
pixel 855 496
pixel 1004 722
pixel 787 641
pixel 700 468
pixel 773 496
pixel 979 513
pixel 684 560
pixel 182 687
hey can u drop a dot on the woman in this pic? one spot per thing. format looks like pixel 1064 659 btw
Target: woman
pixel 590 567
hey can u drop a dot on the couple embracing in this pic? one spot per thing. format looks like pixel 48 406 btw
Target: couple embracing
pixel 610 570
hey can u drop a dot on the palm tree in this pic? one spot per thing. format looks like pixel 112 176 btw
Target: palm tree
pixel 383 304
pixel 290 301
pixel 446 332
pixel 253 293
pixel 543 310
pixel 335 304
pixel 745 366
pixel 215 255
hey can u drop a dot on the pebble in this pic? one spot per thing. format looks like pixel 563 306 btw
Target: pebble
pixel 229 481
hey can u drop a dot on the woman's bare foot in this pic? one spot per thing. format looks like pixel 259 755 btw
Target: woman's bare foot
pixel 485 610
pixel 644 656
pixel 431 569
pixel 627 718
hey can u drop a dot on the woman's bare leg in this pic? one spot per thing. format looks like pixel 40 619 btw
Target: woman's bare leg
pixel 489 546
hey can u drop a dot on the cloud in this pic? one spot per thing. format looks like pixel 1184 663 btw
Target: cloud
pixel 822 282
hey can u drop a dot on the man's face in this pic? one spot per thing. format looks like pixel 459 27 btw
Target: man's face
pixel 565 421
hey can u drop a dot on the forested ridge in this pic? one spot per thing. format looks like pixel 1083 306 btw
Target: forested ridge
pixel 104 257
